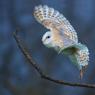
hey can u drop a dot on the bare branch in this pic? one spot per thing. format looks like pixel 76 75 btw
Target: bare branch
pixel 27 55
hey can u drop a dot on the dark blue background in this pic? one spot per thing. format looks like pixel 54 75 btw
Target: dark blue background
pixel 17 76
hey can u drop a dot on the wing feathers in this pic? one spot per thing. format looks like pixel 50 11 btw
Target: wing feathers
pixel 47 15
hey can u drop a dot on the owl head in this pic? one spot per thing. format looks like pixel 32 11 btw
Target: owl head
pixel 47 39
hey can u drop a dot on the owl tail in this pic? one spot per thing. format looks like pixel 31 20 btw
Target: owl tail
pixel 80 58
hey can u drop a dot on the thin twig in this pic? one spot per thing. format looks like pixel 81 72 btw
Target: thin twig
pixel 27 55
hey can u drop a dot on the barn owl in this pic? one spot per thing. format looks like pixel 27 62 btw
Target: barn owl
pixel 62 36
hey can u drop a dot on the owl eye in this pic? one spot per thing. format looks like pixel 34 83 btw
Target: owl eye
pixel 48 37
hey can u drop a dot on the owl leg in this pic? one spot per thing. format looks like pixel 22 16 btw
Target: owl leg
pixel 82 70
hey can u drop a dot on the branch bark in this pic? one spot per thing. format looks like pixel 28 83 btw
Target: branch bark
pixel 30 59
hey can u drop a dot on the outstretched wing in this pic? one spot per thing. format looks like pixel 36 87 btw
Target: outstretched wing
pixel 57 23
